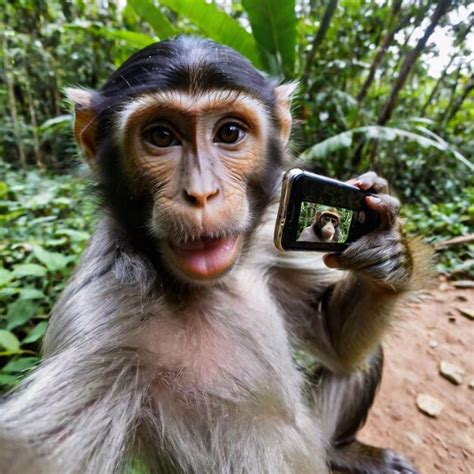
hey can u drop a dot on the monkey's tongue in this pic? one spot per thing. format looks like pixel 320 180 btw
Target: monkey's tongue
pixel 205 258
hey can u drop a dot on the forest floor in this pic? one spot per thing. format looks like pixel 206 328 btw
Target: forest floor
pixel 433 330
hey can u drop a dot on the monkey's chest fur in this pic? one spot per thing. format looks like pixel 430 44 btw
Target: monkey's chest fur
pixel 225 382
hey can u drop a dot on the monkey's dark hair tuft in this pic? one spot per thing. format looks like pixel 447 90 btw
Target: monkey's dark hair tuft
pixel 186 64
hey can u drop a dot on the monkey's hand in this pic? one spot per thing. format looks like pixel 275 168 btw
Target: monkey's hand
pixel 383 256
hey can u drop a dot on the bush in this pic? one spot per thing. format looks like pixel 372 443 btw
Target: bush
pixel 45 222
pixel 443 221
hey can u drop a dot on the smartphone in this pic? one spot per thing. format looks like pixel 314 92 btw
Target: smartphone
pixel 321 214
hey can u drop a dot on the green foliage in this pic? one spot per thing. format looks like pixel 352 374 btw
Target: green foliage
pixel 158 21
pixel 216 24
pixel 274 27
pixel 433 121
pixel 42 234
pixel 132 39
pixel 443 221
pixel 344 140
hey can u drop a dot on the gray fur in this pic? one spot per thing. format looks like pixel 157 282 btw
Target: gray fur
pixel 107 393
pixel 206 385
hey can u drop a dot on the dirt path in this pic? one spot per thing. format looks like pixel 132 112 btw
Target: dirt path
pixel 435 331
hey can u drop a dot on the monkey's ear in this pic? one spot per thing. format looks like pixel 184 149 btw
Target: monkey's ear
pixel 284 94
pixel 84 121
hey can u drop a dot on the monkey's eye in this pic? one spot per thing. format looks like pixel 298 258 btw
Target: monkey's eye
pixel 161 136
pixel 230 132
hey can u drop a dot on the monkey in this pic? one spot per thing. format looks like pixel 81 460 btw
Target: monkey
pixel 171 347
pixel 324 228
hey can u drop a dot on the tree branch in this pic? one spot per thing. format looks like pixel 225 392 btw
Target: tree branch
pixel 318 39
pixel 387 110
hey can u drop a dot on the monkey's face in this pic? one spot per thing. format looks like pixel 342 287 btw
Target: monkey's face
pixel 197 155
pixel 327 224
pixel 187 140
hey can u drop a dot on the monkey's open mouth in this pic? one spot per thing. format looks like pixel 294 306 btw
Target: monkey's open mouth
pixel 206 257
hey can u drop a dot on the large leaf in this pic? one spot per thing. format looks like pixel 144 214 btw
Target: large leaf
pixel 160 24
pixel 31 294
pixel 54 261
pixel 19 313
pixel 3 190
pixel 36 333
pixel 55 121
pixel 217 25
pixel 5 277
pixel 19 365
pixel 376 132
pixel 132 38
pixel 274 27
pixel 74 235
pixel 8 292
pixel 9 341
pixel 29 270
pixel 7 379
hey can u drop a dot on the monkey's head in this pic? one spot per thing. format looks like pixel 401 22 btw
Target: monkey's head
pixel 326 223
pixel 187 140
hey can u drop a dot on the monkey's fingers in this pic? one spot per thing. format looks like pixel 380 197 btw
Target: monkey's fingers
pixel 370 181
pixel 372 250
pixel 381 256
pixel 386 206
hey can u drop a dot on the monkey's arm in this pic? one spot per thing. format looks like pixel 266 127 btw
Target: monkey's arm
pixel 341 316
pixel 358 310
pixel 383 267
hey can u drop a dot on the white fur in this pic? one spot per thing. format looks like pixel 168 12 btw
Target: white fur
pixel 208 386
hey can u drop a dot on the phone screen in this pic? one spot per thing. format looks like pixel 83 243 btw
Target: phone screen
pixel 321 223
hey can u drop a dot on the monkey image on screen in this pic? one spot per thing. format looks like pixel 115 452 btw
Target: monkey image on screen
pixel 172 347
pixel 319 223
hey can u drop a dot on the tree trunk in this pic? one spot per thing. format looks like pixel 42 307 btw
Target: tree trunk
pixel 387 41
pixel 457 104
pixel 402 48
pixel 459 42
pixel 387 110
pixel 34 125
pixel 12 101
pixel 438 83
pixel 419 17
pixel 452 96
pixel 318 39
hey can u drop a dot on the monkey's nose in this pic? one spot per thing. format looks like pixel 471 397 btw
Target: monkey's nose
pixel 200 198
